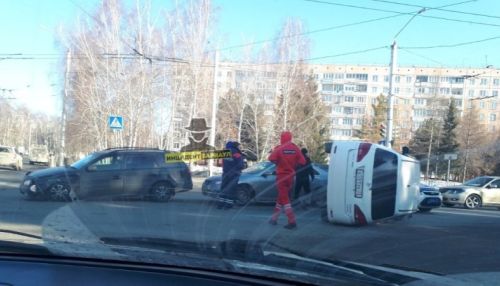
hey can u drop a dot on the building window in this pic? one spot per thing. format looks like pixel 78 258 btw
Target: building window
pixel 472 81
pixel 374 100
pixel 420 112
pixel 408 90
pixel 457 91
pixel 496 81
pixel 444 79
pixel 386 78
pixel 357 76
pixel 349 98
pixel 349 87
pixel 396 90
pixel 422 78
pixel 419 101
pixel 361 88
pixel 483 93
pixel 481 117
pixel 328 76
pixel 360 99
pixel 458 102
pixel 347 121
pixel 374 89
pixel 408 79
pixel 444 91
pixel 481 104
pixel 346 132
pixel 484 81
pixel 406 101
pixel 457 79
pixel 375 78
pixel 433 79
pixel 469 104
pixel 386 90
pixel 176 145
pixel 397 79
pixel 337 109
pixel 327 98
pixel 348 110
pixel 471 93
pixel 338 88
pixel 493 117
pixel 493 105
pixel 494 93
pixel 327 87
pixel 359 121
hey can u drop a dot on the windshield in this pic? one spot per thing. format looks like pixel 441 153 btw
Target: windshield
pixel 84 161
pixel 254 134
pixel 257 168
pixel 478 182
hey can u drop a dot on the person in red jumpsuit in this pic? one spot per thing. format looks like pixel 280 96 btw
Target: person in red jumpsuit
pixel 287 156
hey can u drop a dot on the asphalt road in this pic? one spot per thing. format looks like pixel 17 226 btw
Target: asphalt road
pixel 446 240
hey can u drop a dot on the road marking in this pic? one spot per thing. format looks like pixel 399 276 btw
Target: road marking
pixel 470 213
pixel 63 233
pixel 9 185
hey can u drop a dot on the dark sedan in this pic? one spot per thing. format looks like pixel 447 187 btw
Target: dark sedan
pixel 258 183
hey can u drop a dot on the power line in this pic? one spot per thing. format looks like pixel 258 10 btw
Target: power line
pixel 422 56
pixel 439 9
pixel 409 13
pixel 451 45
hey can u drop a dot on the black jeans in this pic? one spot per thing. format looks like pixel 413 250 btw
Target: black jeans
pixel 299 184
pixel 228 186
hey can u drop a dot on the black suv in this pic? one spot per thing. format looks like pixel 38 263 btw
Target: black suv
pixel 112 173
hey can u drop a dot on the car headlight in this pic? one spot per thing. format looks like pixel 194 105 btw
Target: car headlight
pixel 33 188
pixel 218 183
pixel 27 182
pixel 457 191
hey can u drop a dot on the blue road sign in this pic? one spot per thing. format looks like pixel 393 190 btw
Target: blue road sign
pixel 115 122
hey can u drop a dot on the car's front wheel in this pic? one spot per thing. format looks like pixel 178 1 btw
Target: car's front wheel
pixel 162 192
pixel 59 192
pixel 244 194
pixel 472 202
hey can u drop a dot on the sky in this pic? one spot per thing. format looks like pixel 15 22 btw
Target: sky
pixel 29 27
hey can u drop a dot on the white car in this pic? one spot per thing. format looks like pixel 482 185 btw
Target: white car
pixel 430 198
pixel 10 158
pixel 369 182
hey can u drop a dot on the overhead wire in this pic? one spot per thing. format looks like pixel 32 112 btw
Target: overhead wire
pixel 450 45
pixel 438 9
pixel 409 13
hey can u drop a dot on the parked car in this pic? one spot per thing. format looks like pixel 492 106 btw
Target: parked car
pixel 39 154
pixel 10 158
pixel 474 193
pixel 258 184
pixel 113 173
pixel 430 198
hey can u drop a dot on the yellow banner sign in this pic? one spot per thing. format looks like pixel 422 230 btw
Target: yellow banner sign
pixel 197 155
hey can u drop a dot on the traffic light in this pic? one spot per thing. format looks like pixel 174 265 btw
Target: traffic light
pixel 382 130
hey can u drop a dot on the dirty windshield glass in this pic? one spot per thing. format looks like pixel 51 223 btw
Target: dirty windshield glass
pixel 284 139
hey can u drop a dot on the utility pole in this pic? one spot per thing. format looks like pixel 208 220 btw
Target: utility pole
pixel 390 101
pixel 213 124
pixel 63 114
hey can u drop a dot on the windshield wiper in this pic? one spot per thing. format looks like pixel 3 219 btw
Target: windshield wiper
pixel 249 257
pixel 16 247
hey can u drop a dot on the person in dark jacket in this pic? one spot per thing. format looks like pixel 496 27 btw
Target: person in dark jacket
pixel 231 171
pixel 302 180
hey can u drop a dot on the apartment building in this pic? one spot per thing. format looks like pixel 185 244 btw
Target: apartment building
pixel 349 91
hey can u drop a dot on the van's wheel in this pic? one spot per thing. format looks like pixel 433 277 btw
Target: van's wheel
pixel 162 192
pixel 472 202
pixel 244 194
pixel 59 192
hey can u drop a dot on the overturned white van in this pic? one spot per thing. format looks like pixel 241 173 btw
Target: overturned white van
pixel 369 182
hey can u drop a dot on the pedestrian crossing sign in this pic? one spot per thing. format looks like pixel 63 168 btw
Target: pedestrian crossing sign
pixel 115 122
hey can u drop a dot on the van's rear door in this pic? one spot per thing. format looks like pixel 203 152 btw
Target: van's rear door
pixel 384 184
pixel 410 180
